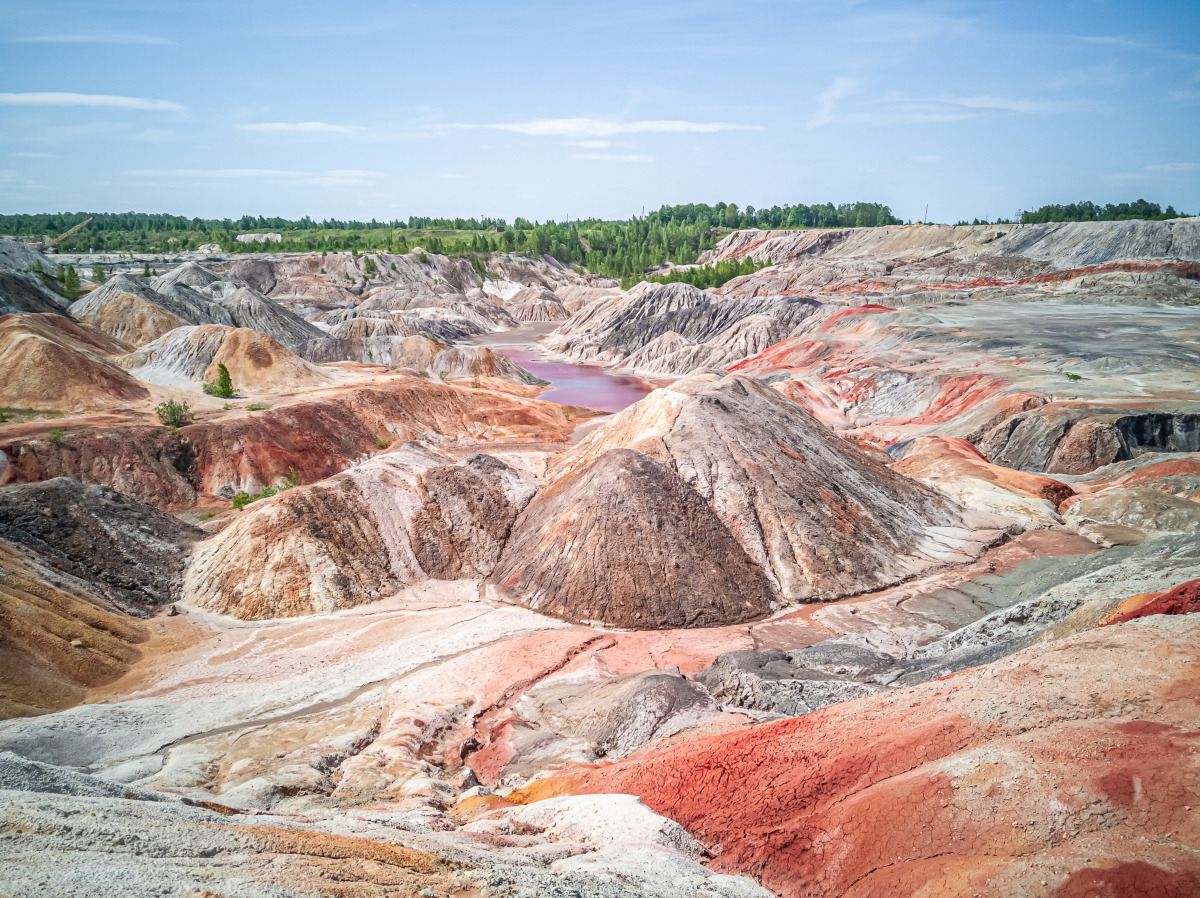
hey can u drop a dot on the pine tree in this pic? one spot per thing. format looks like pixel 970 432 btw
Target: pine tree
pixel 71 283
pixel 98 274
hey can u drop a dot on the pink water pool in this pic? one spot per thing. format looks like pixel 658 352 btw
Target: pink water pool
pixel 585 385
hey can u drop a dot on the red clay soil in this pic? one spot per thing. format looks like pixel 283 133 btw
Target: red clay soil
pixel 1046 773
pixel 1182 599
pixel 318 438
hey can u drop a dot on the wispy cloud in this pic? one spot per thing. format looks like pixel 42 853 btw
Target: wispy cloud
pixel 614 157
pixel 898 109
pixel 592 128
pixel 300 128
pixel 1157 172
pixel 48 98
pixel 99 37
pixel 828 99
pixel 332 178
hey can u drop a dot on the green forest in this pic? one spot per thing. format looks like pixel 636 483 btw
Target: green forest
pixel 623 249
pixel 1088 211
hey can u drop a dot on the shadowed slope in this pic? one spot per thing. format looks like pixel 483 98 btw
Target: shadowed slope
pixel 626 542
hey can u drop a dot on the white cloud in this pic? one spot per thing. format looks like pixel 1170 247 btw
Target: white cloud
pixel 1174 168
pixel 896 109
pixel 92 38
pixel 333 178
pixel 1156 172
pixel 591 144
pixel 592 128
pixel 46 98
pixel 827 101
pixel 614 157
pixel 300 128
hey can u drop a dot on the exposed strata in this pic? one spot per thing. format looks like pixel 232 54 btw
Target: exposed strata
pixel 405 516
pixel 943 788
pixel 820 518
pixel 187 356
pixel 377 732
pixel 52 362
pixel 626 542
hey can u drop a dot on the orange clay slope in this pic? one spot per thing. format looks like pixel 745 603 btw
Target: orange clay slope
pixel 1067 769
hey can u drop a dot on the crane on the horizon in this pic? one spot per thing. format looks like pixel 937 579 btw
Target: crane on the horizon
pixel 48 245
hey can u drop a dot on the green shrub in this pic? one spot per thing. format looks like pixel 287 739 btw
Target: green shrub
pixel 475 382
pixel 172 413
pixel 424 372
pixel 207 516
pixel 381 442
pixel 146 270
pixel 291 479
pixel 223 388
pixel 5 417
pixel 56 436
pixel 443 374
pixel 98 274
pixel 1071 376
pixel 422 258
pixel 257 407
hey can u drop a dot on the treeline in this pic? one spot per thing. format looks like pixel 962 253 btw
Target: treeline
pixel 846 215
pixel 623 249
pixel 707 276
pixel 1088 211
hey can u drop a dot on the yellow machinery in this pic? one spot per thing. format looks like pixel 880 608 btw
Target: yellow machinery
pixel 49 245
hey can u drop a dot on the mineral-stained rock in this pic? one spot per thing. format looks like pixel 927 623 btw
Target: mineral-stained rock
pixel 1076 439
pixel 942 789
pixel 821 518
pixel 131 310
pixel 249 308
pixel 479 361
pixel 132 554
pixel 1182 599
pixel 626 542
pixel 58 636
pixel 1141 509
pixel 188 356
pixel 50 361
pixel 609 331
pixel 408 515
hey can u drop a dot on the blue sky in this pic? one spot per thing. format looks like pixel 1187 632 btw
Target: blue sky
pixel 549 110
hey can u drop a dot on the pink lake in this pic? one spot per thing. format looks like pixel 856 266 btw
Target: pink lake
pixel 586 385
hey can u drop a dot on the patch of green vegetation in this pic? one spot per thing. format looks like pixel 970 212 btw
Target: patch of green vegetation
pixel 173 414
pixel 291 479
pixel 223 388
pixel 11 414
pixel 381 442
pixel 443 375
pixel 706 275
pixel 258 407
pixel 1089 211
pixel 618 248
pixel 206 516
pixel 98 275
pixel 56 436
pixel 1071 376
